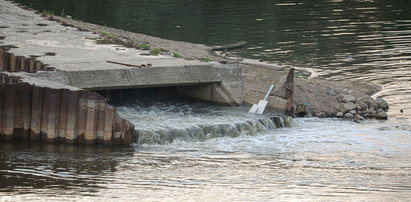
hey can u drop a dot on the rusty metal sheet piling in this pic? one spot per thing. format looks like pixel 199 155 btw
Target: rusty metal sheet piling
pixel 58 115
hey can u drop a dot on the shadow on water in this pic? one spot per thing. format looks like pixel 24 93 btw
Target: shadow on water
pixel 27 167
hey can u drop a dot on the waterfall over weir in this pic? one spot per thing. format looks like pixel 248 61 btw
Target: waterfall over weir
pixel 163 123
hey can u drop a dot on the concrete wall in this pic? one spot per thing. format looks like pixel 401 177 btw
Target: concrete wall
pixel 244 83
pixel 47 114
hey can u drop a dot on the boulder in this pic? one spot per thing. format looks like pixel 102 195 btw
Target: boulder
pixel 363 105
pixel 346 98
pixel 346 107
pixel 382 103
pixel 349 115
pixel 381 115
pixel 353 111
pixel 340 114
pixel 359 117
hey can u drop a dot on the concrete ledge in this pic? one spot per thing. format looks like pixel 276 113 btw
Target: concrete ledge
pixel 143 77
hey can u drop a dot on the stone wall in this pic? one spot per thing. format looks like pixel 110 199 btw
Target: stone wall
pixel 58 115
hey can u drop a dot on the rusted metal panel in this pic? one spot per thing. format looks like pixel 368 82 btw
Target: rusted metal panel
pixel 63 113
pixel 9 111
pixel 53 113
pixel 18 108
pixel 22 63
pixel 2 59
pixel 36 112
pixel 101 120
pixel 2 96
pixel 41 113
pixel 71 131
pixel 32 65
pixel 82 117
pixel 44 113
pixel 13 63
pixel 108 125
pixel 27 109
pixel 91 118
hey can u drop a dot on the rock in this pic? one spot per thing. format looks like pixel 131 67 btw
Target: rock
pixel 380 110
pixel 301 110
pixel 362 104
pixel 289 121
pixel 358 107
pixel 348 115
pixel 346 98
pixel 382 103
pixel 319 114
pixel 368 115
pixel 346 107
pixel 353 111
pixel 359 117
pixel 371 110
pixel 340 114
pixel 381 115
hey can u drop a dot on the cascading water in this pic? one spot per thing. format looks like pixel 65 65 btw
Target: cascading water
pixel 163 123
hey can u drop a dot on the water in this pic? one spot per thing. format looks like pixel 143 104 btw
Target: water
pixel 163 123
pixel 318 159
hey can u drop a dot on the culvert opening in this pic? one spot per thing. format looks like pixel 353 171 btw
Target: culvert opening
pixel 164 115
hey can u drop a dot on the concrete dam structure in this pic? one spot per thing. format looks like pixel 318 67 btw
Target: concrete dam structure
pixel 51 73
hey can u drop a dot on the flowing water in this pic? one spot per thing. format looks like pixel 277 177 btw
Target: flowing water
pixel 317 159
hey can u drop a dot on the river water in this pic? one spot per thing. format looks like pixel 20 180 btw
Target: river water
pixel 316 159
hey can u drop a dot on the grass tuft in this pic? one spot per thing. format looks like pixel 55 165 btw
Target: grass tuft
pixel 155 51
pixel 205 59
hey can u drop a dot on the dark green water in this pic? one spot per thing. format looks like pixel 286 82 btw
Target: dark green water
pixel 319 159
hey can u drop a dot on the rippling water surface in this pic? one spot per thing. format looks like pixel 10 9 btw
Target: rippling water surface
pixel 318 159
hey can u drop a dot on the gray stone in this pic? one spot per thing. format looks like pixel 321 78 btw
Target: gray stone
pixel 349 115
pixel 368 115
pixel 381 115
pixel 358 107
pixel 380 110
pixel 382 103
pixel 340 114
pixel 359 117
pixel 371 110
pixel 289 121
pixel 346 107
pixel 346 98
pixel 353 111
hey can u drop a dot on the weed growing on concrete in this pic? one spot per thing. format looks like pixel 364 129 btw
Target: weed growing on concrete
pixel 205 59
pixel 48 12
pixel 176 55
pixel 155 51
pixel 144 46
pixel 109 35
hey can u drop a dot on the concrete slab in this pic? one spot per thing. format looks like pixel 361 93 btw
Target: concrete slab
pixel 76 52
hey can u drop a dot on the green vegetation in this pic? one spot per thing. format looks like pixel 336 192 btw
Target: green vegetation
pixel 176 55
pixel 62 13
pixel 48 12
pixel 109 35
pixel 144 46
pixel 205 59
pixel 155 51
